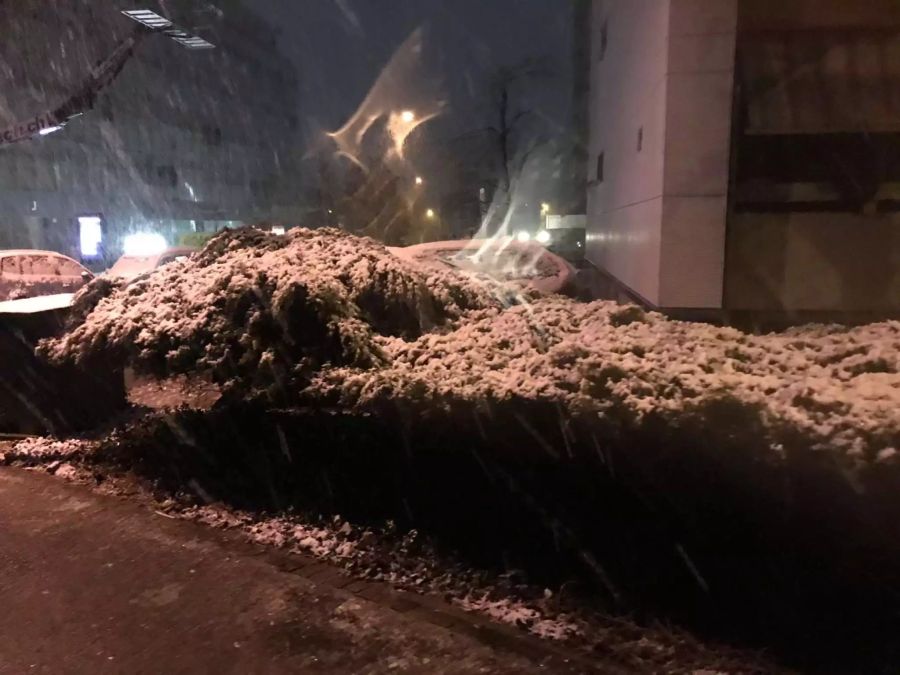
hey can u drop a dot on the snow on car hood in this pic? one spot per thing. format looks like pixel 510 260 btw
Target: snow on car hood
pixel 503 260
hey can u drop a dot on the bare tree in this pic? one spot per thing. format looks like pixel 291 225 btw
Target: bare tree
pixel 513 133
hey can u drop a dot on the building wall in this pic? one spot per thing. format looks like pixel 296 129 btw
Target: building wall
pixel 627 95
pixel 700 85
pixel 657 220
pixel 805 262
pixel 827 70
pixel 180 137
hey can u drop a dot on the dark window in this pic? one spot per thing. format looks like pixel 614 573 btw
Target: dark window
pixel 106 110
pixel 167 175
pixel 604 39
pixel 212 135
pixel 640 142
pixel 600 168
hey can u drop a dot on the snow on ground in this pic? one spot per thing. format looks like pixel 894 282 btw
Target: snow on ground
pixel 45 449
pixel 173 392
pixel 409 561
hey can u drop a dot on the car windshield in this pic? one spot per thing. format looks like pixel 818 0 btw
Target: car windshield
pixel 450 336
pixel 133 265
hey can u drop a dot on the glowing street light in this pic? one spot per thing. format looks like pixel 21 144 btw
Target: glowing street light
pixel 429 213
pixel 408 116
pixel 144 244
pixel 419 180
pixel 545 208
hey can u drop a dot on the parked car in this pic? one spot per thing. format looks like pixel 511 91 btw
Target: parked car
pixel 129 267
pixel 504 259
pixel 30 274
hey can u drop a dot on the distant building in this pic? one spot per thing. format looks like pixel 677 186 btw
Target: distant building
pixel 183 140
pixel 745 156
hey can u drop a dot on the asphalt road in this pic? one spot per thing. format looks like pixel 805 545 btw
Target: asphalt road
pixel 95 584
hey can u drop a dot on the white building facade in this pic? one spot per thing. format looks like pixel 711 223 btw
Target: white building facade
pixel 708 193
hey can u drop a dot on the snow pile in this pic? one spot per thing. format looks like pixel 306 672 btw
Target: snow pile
pixel 517 613
pixel 838 388
pixel 46 449
pixel 265 309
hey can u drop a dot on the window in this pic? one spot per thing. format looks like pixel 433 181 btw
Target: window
pixel 38 265
pixel 69 268
pixel 167 175
pixel 212 135
pixel 90 235
pixel 600 168
pixel 604 39
pixel 10 265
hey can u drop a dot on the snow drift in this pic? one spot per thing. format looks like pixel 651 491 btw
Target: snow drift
pixel 258 309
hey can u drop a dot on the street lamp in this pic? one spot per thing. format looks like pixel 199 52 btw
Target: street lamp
pixel 429 213
pixel 408 116
pixel 545 208
pixel 419 180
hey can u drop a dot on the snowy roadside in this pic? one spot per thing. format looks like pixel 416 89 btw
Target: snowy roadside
pixel 345 370
pixel 407 561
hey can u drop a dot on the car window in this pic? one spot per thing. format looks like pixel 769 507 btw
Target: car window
pixel 69 268
pixel 39 265
pixel 9 265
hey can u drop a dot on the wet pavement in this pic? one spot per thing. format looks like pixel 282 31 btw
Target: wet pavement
pixel 90 583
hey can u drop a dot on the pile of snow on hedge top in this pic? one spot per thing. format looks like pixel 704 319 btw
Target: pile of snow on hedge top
pixel 262 308
pixel 837 388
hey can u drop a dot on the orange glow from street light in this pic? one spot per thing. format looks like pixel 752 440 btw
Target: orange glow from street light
pixel 429 213
pixel 408 116
pixel 419 180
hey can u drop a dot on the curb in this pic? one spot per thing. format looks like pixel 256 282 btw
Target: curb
pixel 436 612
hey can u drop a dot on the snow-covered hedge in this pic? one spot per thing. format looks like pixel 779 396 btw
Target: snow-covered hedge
pixel 832 388
pixel 370 329
pixel 260 308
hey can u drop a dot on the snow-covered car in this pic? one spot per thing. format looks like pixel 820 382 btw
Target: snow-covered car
pixel 504 259
pixel 129 267
pixel 31 273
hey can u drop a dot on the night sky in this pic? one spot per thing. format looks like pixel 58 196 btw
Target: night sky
pixel 340 46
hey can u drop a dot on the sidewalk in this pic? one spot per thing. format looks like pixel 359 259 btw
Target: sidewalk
pixel 95 584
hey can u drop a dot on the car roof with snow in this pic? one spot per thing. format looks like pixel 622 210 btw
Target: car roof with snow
pixel 9 253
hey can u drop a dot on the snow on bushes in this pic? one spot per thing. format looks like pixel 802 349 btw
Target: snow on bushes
pixel 264 308
pixel 837 388
pixel 371 329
